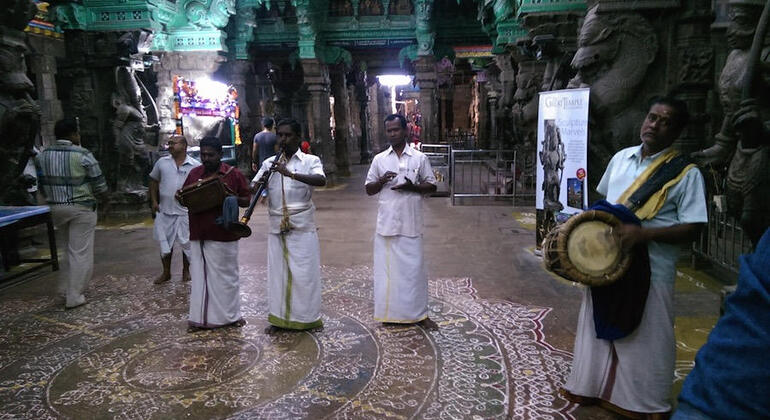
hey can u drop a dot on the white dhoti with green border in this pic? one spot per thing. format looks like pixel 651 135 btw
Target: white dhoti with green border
pixel 400 282
pixel 294 271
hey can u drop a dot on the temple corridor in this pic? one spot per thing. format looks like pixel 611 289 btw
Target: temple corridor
pixel 502 349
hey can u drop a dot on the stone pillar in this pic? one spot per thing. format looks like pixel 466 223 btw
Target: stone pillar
pixel 341 120
pixel 425 76
pixel 694 78
pixel 482 112
pixel 241 74
pixel 494 135
pixel 362 97
pixel 504 114
pixel 316 76
pixel 43 66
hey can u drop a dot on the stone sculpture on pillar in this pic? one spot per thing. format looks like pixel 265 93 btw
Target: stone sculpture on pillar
pixel 614 53
pixel 425 33
pixel 744 134
pixel 131 122
pixel 19 114
pixel 552 158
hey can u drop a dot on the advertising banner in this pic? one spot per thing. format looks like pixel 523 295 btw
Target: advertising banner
pixel 562 151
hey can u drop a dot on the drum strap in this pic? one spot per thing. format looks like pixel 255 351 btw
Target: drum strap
pixel 645 197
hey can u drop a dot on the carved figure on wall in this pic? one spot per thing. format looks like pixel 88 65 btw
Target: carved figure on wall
pixel 131 121
pixel 370 8
pixel 614 53
pixel 424 32
pixel 340 8
pixel 19 114
pixel 524 111
pixel 401 7
pixel 744 134
pixel 552 157
pixel 216 15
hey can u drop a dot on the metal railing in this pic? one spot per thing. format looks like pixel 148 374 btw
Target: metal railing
pixel 482 175
pixel 439 156
pixel 723 241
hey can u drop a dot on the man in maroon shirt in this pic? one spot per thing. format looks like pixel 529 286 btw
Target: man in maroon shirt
pixel 215 299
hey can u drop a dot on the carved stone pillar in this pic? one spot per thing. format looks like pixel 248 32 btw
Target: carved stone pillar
pixel 482 112
pixel 494 137
pixel 43 66
pixel 695 56
pixel 241 76
pixel 341 120
pixel 362 97
pixel 19 114
pixel 319 112
pixel 425 76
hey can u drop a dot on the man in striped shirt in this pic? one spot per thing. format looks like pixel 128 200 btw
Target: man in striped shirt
pixel 70 178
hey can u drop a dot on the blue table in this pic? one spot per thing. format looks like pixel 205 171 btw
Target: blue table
pixel 13 219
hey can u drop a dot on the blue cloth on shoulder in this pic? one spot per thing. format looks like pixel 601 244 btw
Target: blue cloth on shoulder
pixel 618 307
pixel 731 377
pixel 618 210
pixel 229 212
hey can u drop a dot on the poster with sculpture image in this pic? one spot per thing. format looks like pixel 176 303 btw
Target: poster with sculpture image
pixel 562 156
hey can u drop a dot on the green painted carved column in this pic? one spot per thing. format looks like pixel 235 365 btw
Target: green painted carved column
pixel 425 31
pixel 316 76
pixel 341 119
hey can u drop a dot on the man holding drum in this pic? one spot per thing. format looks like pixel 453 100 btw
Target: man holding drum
pixel 633 375
pixel 293 250
pixel 215 299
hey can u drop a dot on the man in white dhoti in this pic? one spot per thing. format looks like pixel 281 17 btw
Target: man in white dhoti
pixel 171 222
pixel 215 299
pixel 293 251
pixel 633 375
pixel 401 175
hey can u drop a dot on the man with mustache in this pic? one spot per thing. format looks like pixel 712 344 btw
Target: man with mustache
pixel 293 250
pixel 632 373
pixel 215 299
pixel 401 176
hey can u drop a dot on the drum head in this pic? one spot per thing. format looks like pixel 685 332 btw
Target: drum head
pixel 593 249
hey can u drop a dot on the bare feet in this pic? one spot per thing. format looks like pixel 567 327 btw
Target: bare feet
pixel 162 278
pixel 428 324
pixel 79 301
pixel 238 324
pixel 271 330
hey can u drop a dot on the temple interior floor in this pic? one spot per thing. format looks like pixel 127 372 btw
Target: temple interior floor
pixel 502 350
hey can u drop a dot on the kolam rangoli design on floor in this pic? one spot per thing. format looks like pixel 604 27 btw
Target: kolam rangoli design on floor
pixel 127 355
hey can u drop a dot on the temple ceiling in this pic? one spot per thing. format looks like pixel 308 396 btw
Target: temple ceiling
pixel 328 30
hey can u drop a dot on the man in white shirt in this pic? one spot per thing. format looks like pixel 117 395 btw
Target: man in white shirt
pixel 293 251
pixel 401 176
pixel 633 375
pixel 171 222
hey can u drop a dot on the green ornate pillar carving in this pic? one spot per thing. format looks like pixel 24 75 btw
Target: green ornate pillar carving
pixel 424 32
